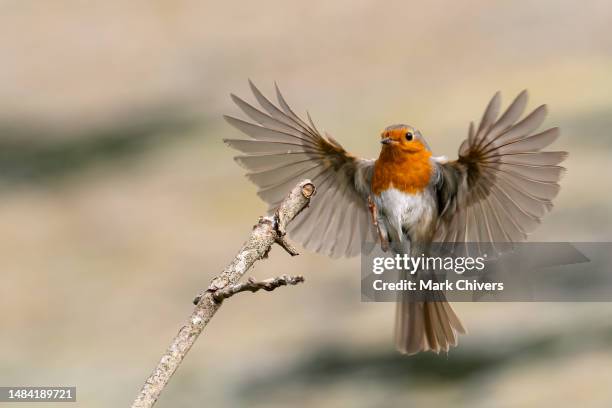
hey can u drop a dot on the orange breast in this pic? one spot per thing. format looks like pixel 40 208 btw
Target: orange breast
pixel 409 173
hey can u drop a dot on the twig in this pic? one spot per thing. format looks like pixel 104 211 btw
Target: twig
pixel 267 231
pixel 253 286
pixel 286 245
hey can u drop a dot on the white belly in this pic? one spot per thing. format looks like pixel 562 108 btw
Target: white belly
pixel 412 213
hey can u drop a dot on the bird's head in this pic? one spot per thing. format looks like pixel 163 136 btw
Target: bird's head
pixel 404 139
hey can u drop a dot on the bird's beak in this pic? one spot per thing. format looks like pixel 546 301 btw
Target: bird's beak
pixel 386 141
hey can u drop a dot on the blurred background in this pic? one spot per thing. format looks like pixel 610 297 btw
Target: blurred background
pixel 119 201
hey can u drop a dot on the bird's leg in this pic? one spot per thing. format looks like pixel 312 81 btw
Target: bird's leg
pixel 373 211
pixel 384 243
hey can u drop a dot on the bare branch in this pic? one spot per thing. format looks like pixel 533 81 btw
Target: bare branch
pixel 266 232
pixel 286 245
pixel 253 286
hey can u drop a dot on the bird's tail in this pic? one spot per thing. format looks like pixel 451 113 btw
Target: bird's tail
pixel 426 325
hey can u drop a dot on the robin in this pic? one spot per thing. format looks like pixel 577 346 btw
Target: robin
pixel 497 190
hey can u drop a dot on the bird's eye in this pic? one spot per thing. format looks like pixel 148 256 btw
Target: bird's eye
pixel 409 136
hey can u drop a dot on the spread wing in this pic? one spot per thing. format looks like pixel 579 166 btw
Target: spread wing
pixel 503 182
pixel 283 150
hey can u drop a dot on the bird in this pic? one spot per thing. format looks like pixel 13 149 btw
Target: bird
pixel 497 190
